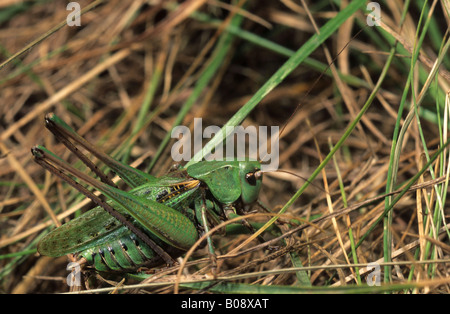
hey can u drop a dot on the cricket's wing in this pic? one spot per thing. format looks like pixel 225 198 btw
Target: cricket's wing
pixel 90 229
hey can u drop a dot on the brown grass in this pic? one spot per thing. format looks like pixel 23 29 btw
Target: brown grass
pixel 96 77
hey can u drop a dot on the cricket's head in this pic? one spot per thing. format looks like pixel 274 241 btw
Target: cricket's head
pixel 250 175
pixel 230 180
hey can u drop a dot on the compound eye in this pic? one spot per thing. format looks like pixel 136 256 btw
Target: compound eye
pixel 253 177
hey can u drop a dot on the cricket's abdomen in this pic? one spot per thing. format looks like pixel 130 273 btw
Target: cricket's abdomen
pixel 125 254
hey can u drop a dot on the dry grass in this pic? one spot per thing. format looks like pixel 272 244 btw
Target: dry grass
pixel 98 76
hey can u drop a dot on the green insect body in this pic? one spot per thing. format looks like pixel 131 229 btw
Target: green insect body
pixel 158 220
pixel 107 244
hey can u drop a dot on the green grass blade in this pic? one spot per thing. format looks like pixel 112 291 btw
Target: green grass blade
pixel 240 288
pixel 292 63
pixel 211 69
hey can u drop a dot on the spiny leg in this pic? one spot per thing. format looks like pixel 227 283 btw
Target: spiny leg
pixel 244 222
pixel 133 177
pixel 248 225
pixel 202 208
pixel 63 134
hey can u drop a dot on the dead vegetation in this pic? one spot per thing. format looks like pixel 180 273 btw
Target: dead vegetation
pixel 123 77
